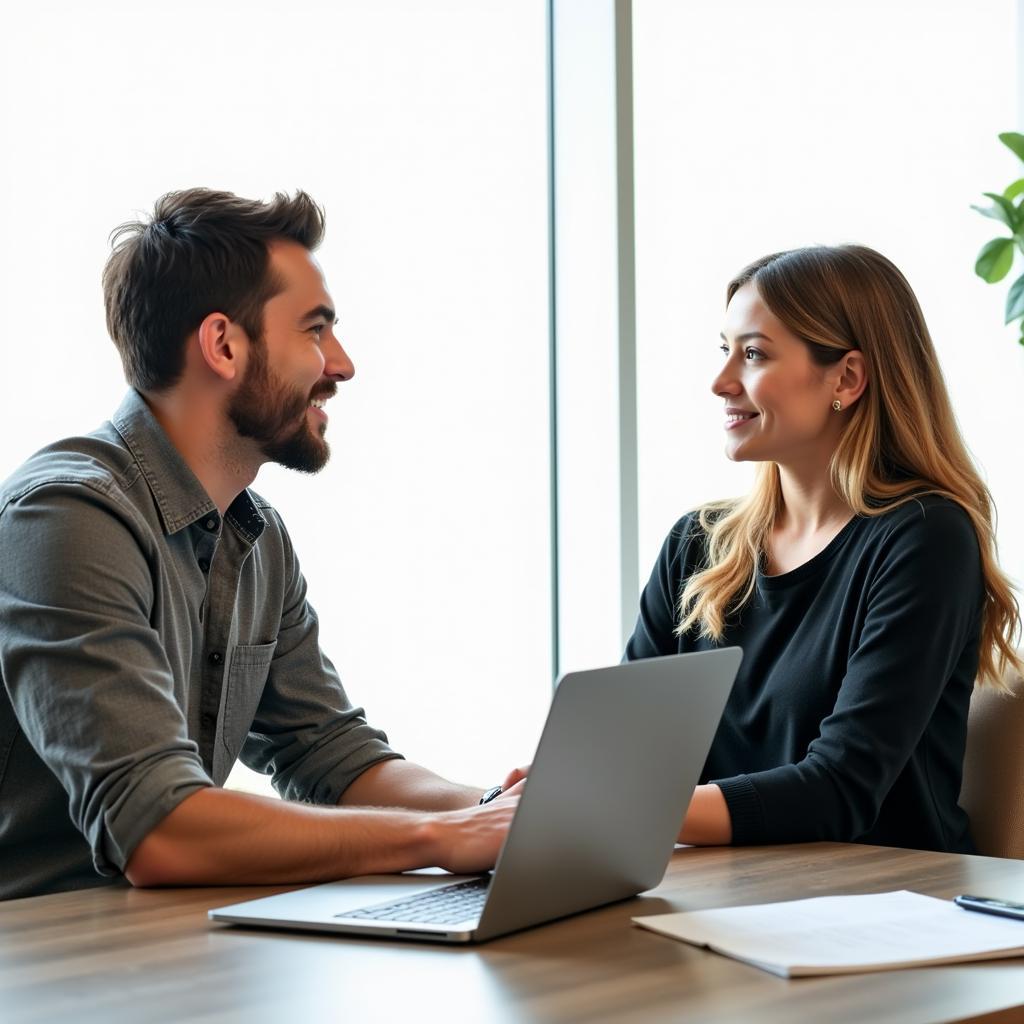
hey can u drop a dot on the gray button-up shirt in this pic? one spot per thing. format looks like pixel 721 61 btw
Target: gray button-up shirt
pixel 145 643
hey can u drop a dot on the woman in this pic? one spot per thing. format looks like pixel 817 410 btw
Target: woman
pixel 859 575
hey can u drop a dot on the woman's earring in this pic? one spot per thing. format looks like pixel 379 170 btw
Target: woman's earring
pixel 837 405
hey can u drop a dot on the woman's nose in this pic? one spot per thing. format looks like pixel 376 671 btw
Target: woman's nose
pixel 726 382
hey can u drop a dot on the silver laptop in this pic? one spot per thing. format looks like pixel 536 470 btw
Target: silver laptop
pixel 616 766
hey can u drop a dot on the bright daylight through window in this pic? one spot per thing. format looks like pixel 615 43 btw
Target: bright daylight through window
pixel 421 129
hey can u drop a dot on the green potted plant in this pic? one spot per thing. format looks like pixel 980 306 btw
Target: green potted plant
pixel 997 257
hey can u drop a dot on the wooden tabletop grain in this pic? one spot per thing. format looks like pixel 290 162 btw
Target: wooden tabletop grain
pixel 119 954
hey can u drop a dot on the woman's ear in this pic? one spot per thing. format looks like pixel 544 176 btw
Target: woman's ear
pixel 852 378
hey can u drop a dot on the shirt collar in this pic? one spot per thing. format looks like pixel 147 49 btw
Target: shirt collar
pixel 179 496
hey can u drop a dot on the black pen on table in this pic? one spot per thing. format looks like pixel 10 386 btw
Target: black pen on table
pixel 988 905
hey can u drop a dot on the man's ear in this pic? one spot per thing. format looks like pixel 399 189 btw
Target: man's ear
pixel 852 378
pixel 222 344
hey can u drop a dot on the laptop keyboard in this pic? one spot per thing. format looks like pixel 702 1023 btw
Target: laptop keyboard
pixel 447 905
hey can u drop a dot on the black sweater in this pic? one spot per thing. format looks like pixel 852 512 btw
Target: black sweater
pixel 848 717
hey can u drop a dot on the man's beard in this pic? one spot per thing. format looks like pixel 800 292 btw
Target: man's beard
pixel 274 416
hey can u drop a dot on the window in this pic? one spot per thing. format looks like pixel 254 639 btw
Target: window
pixel 760 127
pixel 421 129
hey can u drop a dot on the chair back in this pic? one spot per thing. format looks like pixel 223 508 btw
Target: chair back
pixel 993 786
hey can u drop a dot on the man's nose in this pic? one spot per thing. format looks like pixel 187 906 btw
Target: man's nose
pixel 337 364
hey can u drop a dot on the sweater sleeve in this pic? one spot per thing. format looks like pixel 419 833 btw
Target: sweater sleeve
pixel 654 633
pixel 922 617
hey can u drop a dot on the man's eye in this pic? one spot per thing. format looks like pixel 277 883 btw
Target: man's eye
pixel 318 329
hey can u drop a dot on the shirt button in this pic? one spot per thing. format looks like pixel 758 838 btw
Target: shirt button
pixel 204 564
pixel 211 524
pixel 216 658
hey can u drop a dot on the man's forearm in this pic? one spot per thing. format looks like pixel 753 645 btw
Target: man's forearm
pixel 220 837
pixel 397 783
pixel 217 836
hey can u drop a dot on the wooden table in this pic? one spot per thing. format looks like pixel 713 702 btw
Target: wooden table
pixel 117 954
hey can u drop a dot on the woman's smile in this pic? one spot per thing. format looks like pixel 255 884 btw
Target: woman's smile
pixel 735 418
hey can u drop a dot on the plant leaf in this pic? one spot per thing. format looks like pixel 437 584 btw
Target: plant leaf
pixel 1003 210
pixel 1014 141
pixel 1015 300
pixel 1014 190
pixel 990 211
pixel 998 213
pixel 995 259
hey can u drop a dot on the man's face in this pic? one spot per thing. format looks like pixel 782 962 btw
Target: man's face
pixel 296 363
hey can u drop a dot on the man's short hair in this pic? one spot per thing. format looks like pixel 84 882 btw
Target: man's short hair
pixel 201 252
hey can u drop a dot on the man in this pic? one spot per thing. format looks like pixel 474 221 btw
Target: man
pixel 153 618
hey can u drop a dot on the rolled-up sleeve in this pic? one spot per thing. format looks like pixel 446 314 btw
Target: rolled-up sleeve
pixel 84 667
pixel 306 732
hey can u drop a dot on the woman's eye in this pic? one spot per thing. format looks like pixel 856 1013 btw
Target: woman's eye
pixel 724 348
pixel 752 354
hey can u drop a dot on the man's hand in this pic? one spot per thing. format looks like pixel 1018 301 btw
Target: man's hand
pixel 469 841
pixel 515 776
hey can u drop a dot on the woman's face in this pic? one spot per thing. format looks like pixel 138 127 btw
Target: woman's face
pixel 778 402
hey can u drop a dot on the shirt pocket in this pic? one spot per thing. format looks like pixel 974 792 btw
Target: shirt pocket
pixel 247 676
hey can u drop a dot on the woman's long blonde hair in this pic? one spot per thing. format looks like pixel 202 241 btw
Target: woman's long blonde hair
pixel 901 440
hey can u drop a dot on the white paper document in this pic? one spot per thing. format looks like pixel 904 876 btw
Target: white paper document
pixel 846 934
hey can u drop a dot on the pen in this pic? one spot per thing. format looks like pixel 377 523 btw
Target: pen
pixel 988 905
